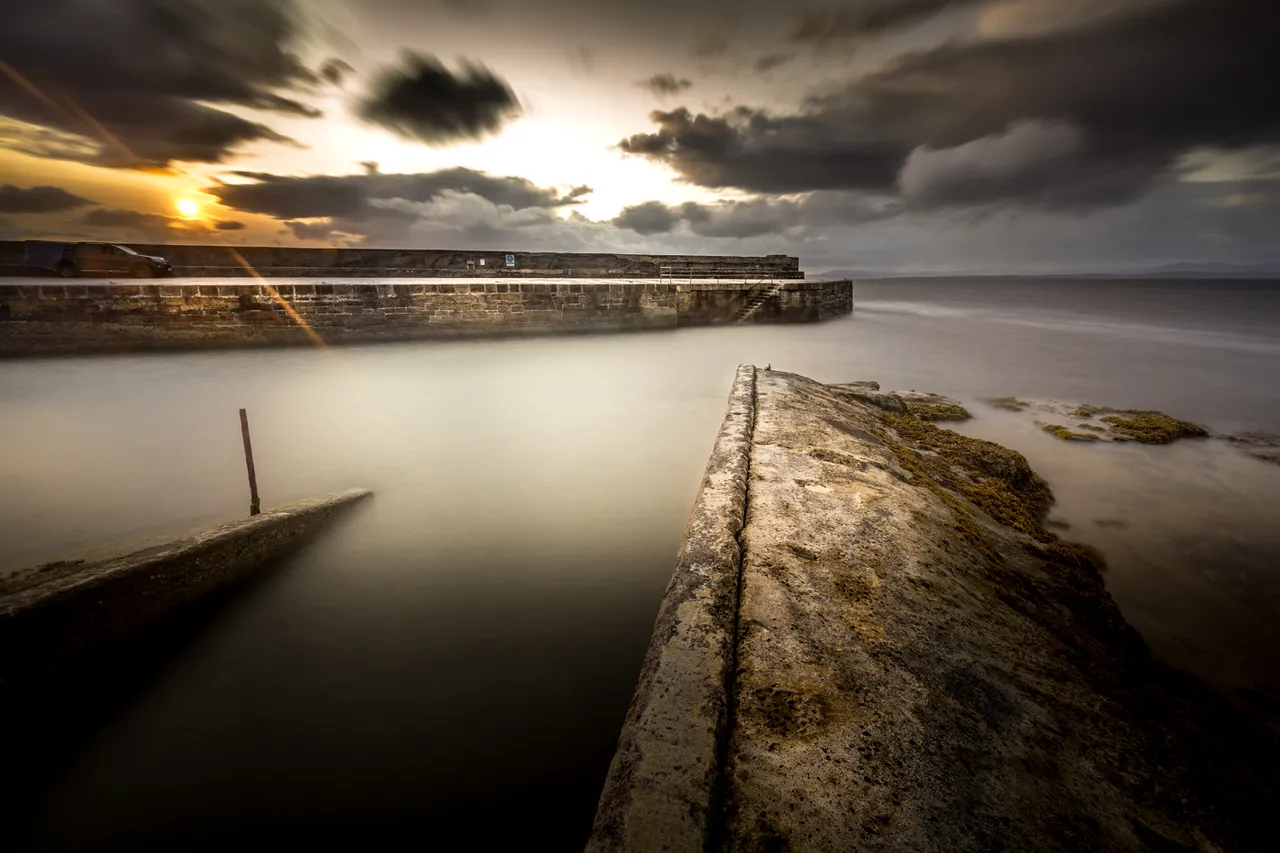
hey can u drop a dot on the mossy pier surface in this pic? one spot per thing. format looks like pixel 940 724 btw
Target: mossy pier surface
pixel 917 664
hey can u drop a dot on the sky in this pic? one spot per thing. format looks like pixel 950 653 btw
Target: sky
pixel 986 136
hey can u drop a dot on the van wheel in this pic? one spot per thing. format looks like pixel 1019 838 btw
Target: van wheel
pixel 68 270
pixel 143 271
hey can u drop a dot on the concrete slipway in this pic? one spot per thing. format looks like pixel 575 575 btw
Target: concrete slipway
pixel 870 642
pixel 58 612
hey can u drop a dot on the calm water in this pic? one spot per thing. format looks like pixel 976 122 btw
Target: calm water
pixel 458 654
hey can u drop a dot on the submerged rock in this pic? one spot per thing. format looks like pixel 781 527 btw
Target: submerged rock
pixel 934 407
pixel 1009 404
pixel 1064 433
pixel 1262 446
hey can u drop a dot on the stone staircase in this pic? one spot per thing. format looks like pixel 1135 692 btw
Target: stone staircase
pixel 757 299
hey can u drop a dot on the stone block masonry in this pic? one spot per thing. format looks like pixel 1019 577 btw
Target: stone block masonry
pixel 273 261
pixel 53 317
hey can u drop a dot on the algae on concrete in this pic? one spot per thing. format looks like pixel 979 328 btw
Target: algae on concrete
pixel 920 665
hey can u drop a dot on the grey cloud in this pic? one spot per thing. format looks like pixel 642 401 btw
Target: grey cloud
pixel 424 101
pixel 1141 89
pixel 139 80
pixel 1032 159
pixel 651 217
pixel 752 150
pixel 742 219
pixel 664 85
pixel 229 225
pixel 39 200
pixel 354 196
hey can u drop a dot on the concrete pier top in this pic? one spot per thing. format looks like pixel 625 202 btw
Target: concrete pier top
pixel 59 611
pixel 916 663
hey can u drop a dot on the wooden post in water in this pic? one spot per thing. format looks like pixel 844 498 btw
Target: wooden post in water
pixel 254 506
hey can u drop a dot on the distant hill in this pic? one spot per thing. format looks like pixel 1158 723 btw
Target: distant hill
pixel 1186 269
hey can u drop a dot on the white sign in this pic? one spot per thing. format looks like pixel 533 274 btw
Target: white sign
pixel 511 260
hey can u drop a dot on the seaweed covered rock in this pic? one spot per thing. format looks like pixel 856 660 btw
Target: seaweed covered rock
pixel 934 407
pixel 1151 427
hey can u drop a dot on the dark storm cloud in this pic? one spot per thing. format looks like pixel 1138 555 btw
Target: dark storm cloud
pixel 652 217
pixel 39 200
pixel 663 85
pixel 822 26
pixel 423 100
pixel 751 150
pixel 754 217
pixel 1088 116
pixel 353 196
pixel 138 77
pixel 229 225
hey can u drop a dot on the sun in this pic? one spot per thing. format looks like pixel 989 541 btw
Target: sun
pixel 187 207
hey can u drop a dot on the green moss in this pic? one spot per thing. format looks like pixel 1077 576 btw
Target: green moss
pixel 1092 427
pixel 1087 411
pixel 1009 404
pixel 1151 427
pixel 997 480
pixel 1065 433
pixel 939 412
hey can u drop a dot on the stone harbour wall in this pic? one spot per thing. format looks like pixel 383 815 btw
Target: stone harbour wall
pixel 66 318
pixel 296 261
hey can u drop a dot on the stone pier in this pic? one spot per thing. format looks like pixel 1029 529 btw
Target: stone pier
pixel 870 642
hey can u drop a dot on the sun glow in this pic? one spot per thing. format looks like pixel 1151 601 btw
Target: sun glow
pixel 188 207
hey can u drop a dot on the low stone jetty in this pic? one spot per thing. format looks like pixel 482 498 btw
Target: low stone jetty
pixel 871 642
pixel 60 611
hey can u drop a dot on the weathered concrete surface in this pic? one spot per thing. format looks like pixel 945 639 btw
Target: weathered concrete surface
pixel 662 790
pixel 915 675
pixel 918 665
pixel 52 317
pixel 78 607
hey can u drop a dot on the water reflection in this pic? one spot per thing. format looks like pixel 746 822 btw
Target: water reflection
pixel 462 649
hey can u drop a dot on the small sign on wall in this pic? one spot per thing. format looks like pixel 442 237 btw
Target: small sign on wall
pixel 511 260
